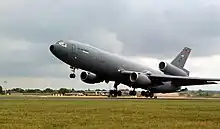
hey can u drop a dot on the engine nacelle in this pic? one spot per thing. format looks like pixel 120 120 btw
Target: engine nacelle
pixel 139 79
pixel 171 69
pixel 90 78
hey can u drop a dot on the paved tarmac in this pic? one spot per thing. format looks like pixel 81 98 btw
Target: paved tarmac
pixel 23 97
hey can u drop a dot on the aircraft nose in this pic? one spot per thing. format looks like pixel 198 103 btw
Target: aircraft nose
pixel 58 50
pixel 51 48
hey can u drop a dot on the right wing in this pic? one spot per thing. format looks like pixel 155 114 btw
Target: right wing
pixel 184 80
pixel 176 80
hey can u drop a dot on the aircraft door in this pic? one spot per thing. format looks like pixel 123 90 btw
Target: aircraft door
pixel 74 48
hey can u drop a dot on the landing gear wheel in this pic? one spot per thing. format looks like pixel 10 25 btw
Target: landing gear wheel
pixel 119 93
pixel 72 75
pixel 143 93
pixel 111 93
pixel 115 92
pixel 147 94
pixel 132 93
pixel 151 95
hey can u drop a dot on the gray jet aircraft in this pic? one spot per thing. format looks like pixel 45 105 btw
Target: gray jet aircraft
pixel 101 66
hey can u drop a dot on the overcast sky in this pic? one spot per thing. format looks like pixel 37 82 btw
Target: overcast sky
pixel 145 30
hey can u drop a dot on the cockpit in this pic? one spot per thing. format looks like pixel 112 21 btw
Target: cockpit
pixel 61 43
pixel 60 47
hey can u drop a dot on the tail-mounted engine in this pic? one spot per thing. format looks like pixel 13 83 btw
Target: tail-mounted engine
pixel 90 78
pixel 172 70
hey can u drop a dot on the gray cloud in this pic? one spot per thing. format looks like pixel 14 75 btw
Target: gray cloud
pixel 152 28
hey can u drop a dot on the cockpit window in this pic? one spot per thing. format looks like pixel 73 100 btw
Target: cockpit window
pixel 61 43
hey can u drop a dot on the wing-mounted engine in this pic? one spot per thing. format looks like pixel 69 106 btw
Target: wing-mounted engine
pixel 90 78
pixel 170 69
pixel 139 79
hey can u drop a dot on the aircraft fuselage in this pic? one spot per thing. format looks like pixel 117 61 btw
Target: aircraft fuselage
pixel 105 64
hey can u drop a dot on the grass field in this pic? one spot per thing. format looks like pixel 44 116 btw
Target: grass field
pixel 112 114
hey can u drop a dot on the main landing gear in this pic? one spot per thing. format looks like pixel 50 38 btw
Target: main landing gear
pixel 115 92
pixel 73 69
pixel 132 93
pixel 148 94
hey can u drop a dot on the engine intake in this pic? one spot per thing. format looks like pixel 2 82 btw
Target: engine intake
pixel 171 69
pixel 139 79
pixel 90 78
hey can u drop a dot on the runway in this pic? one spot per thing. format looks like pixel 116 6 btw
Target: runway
pixel 23 97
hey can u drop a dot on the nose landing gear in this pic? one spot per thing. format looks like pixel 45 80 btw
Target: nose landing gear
pixel 72 75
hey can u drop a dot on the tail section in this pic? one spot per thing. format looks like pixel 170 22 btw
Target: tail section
pixel 181 59
pixel 187 72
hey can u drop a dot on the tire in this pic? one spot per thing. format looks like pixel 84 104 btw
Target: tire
pixel 119 93
pixel 143 93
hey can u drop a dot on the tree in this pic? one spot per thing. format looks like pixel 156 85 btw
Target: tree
pixel 19 90
pixel 73 90
pixel 48 90
pixel 1 90
pixel 63 91
pixel 33 91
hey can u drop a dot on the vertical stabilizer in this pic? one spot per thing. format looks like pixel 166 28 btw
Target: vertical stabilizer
pixel 181 59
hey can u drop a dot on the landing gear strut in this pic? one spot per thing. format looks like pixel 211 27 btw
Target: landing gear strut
pixel 115 92
pixel 72 75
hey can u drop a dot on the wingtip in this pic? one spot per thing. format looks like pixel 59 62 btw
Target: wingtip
pixel 212 83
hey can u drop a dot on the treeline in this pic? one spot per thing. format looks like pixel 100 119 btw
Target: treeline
pixel 201 93
pixel 47 90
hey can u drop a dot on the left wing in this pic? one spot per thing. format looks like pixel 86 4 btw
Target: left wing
pixel 184 80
